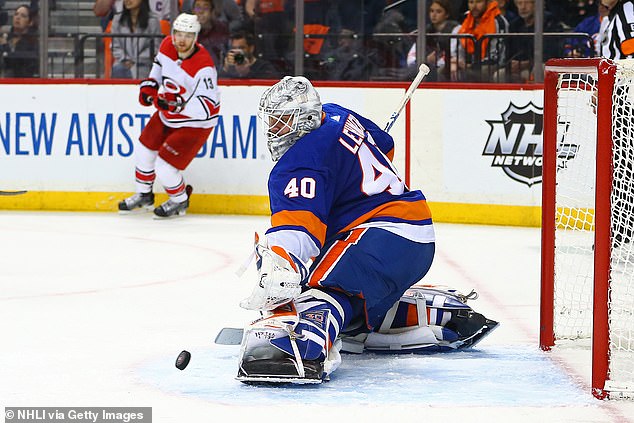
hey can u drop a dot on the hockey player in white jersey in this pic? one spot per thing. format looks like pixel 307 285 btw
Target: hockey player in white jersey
pixel 183 87
pixel 347 242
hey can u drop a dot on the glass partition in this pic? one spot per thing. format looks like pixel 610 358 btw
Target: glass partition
pixel 351 40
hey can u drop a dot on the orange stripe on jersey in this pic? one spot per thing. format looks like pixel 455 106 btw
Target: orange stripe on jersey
pixel 390 155
pixel 406 210
pixel 627 46
pixel 301 218
pixel 333 255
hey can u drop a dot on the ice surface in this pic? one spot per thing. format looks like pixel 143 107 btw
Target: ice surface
pixel 95 307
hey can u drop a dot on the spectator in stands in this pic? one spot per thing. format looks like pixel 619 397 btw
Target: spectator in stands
pixel 438 48
pixel 241 61
pixel 591 26
pixel 349 61
pixel 571 12
pixel 20 48
pixel 321 19
pixel 361 16
pixel 214 34
pixel 107 9
pixel 408 9
pixel 484 17
pixel 391 45
pixel 507 7
pixel 272 25
pixel 227 11
pixel 133 56
pixel 521 48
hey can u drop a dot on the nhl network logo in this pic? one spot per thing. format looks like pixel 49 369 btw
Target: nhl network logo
pixel 515 143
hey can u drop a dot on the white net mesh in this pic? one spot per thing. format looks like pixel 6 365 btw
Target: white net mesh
pixel 574 234
pixel 621 293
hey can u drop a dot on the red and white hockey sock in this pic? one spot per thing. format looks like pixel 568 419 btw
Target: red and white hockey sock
pixel 144 171
pixel 172 181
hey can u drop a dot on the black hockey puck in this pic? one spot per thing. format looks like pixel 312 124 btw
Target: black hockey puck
pixel 183 360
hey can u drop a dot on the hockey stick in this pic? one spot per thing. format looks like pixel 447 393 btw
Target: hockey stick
pixel 423 70
pixel 12 192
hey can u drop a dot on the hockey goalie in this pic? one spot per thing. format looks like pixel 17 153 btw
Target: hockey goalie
pixel 347 243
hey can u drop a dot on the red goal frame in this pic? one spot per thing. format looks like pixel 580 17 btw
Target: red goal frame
pixel 605 70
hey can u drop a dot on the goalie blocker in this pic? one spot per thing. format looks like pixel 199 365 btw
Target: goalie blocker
pixel 298 342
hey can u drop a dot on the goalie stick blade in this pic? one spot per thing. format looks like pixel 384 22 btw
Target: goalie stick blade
pixel 229 336
pixel 13 192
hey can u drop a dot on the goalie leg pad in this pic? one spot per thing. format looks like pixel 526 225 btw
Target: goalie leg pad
pixel 297 348
pixel 429 318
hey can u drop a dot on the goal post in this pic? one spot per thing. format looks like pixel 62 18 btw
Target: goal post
pixel 587 274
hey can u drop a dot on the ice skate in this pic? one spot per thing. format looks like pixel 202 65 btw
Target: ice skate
pixel 171 208
pixel 141 201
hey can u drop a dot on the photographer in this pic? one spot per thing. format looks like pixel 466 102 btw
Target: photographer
pixel 240 61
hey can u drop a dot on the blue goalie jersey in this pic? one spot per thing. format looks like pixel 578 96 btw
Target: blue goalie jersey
pixel 337 178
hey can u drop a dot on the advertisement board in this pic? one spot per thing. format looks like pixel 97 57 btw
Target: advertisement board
pixel 475 152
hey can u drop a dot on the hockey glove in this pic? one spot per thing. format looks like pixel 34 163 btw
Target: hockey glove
pixel 170 102
pixel 279 282
pixel 148 92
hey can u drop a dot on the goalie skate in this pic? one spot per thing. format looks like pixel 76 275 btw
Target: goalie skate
pixel 265 357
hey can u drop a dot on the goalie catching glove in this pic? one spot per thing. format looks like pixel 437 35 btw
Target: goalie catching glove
pixel 170 102
pixel 280 276
pixel 148 91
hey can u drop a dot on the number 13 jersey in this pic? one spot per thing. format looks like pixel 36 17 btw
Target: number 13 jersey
pixel 339 177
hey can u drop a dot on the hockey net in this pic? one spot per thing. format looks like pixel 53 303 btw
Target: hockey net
pixel 588 216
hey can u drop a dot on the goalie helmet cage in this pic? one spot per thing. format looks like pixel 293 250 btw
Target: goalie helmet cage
pixel 587 274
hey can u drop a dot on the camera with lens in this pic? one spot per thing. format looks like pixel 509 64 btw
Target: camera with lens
pixel 238 57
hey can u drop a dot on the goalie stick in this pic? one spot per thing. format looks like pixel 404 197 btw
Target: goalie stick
pixel 12 192
pixel 423 70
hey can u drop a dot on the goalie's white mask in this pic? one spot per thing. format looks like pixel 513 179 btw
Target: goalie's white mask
pixel 288 110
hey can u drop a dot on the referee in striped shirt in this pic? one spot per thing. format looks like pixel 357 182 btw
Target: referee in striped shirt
pixel 617 30
pixel 617 42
